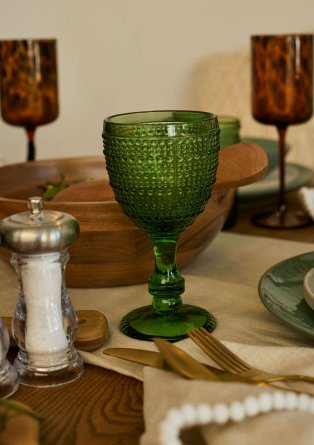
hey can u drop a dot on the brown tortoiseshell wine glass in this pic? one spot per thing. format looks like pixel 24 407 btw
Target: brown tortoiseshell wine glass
pixel 282 95
pixel 29 85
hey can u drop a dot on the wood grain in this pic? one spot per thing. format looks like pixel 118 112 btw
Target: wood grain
pixel 20 429
pixel 92 330
pixel 240 164
pixel 102 407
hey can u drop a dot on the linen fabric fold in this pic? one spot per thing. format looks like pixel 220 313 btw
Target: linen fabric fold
pixel 164 390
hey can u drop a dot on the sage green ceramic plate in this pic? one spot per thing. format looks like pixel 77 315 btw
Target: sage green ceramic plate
pixel 265 191
pixel 281 291
pixel 296 176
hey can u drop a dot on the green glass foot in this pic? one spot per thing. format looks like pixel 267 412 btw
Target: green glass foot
pixel 143 324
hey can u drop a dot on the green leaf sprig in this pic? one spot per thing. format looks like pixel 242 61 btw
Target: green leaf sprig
pixel 9 409
pixel 50 189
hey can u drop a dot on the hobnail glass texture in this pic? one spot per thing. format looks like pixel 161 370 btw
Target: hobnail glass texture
pixel 162 166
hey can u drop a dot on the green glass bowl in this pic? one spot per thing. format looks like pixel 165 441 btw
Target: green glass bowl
pixel 162 166
pixel 229 130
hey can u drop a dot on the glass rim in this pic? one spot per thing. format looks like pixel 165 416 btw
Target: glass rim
pixel 282 35
pixel 31 39
pixel 160 124
pixel 206 116
pixel 228 119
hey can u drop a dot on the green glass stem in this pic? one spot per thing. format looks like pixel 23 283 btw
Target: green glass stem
pixel 166 284
pixel 166 317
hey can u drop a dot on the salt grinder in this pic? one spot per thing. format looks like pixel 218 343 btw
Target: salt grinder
pixel 44 322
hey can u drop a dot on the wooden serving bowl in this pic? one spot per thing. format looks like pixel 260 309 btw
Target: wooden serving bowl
pixel 111 250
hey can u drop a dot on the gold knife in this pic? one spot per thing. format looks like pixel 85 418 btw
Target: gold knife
pixel 156 360
pixel 148 358
pixel 141 356
pixel 182 363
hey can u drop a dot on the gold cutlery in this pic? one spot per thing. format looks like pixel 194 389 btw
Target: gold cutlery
pixel 185 365
pixel 182 363
pixel 225 358
pixel 141 356
pixel 156 360
pixel 148 358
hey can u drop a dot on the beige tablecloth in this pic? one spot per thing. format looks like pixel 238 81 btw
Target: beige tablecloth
pixel 224 280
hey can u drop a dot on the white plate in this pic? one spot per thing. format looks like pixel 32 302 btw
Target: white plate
pixel 308 288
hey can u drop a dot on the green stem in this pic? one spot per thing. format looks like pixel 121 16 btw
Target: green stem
pixel 166 284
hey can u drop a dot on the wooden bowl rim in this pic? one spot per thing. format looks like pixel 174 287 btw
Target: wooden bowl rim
pixel 64 204
pixel 53 161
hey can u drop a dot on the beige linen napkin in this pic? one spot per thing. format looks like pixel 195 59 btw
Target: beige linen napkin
pixel 163 391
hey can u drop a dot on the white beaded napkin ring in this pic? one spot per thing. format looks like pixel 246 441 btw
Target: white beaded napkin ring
pixel 189 415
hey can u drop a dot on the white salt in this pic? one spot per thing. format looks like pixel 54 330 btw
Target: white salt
pixel 41 277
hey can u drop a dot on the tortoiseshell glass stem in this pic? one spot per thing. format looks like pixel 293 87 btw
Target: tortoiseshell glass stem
pixel 31 151
pixel 282 207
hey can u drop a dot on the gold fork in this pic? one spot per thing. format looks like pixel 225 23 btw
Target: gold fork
pixel 234 364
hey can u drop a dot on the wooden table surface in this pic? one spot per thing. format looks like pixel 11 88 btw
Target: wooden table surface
pixel 104 407
pixel 101 407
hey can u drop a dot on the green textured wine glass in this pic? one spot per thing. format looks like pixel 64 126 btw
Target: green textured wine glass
pixel 162 166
